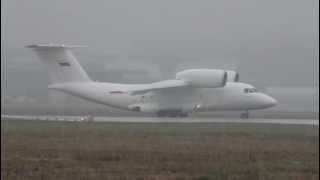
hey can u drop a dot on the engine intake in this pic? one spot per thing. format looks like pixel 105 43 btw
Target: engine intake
pixel 233 76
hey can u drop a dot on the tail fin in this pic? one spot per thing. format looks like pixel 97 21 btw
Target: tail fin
pixel 61 63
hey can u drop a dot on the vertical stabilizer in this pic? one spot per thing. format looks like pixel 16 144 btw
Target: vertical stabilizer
pixel 61 63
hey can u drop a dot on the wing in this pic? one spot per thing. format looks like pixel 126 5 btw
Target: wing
pixel 161 86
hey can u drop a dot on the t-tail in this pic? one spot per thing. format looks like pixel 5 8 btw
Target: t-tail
pixel 61 63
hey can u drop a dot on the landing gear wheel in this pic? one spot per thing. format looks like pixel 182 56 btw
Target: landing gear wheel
pixel 173 114
pixel 161 114
pixel 183 115
pixel 245 115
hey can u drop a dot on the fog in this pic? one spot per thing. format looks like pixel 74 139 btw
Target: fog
pixel 270 43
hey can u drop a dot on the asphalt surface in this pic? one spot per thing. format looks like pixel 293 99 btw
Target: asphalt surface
pixel 166 120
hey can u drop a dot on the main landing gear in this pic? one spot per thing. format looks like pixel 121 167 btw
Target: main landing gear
pixel 245 115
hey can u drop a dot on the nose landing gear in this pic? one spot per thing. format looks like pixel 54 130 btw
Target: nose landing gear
pixel 245 115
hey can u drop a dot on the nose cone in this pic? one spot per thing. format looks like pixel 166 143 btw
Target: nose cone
pixel 272 102
pixel 268 101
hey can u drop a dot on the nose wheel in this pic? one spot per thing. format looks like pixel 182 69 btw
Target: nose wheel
pixel 245 115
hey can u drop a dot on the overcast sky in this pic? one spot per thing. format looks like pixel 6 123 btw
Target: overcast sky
pixel 271 41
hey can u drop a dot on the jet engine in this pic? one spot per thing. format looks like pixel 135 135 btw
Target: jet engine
pixel 204 78
pixel 233 76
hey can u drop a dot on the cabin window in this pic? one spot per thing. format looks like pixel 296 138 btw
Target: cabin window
pixel 64 64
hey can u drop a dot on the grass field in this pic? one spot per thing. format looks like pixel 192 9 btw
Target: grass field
pixel 41 150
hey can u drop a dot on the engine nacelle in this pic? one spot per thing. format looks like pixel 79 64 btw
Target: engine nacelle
pixel 233 76
pixel 204 78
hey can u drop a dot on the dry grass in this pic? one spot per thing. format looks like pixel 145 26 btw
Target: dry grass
pixel 63 150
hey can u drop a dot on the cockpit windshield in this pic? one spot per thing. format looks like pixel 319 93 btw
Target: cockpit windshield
pixel 250 90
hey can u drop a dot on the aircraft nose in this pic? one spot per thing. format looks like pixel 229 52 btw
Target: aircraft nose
pixel 269 101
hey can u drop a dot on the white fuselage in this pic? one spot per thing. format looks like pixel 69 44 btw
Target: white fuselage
pixel 230 97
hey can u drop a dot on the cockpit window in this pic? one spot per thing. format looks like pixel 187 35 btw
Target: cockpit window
pixel 250 90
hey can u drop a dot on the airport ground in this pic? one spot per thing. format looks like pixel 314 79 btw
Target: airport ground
pixel 121 150
pixel 100 110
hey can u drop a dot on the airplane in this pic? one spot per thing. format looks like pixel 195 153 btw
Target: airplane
pixel 192 90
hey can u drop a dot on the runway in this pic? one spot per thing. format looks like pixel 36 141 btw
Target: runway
pixel 165 120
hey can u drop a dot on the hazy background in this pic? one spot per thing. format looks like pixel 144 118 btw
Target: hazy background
pixel 272 44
